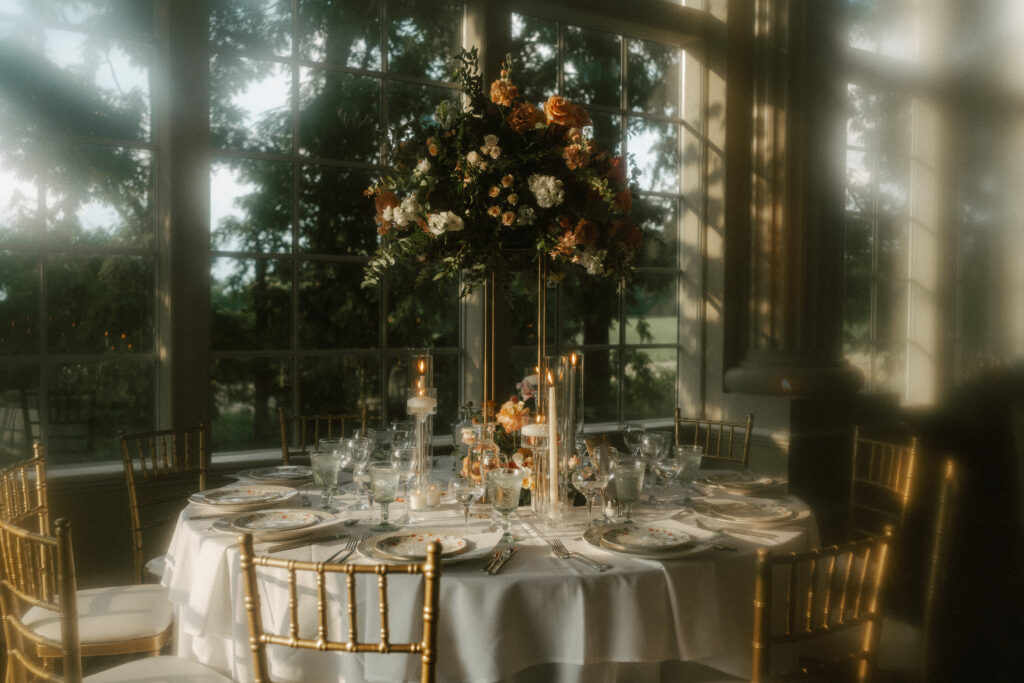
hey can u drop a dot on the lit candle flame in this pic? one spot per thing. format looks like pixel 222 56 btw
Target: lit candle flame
pixel 572 358
pixel 551 380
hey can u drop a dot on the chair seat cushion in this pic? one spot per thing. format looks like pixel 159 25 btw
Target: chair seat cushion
pixel 158 670
pixel 110 614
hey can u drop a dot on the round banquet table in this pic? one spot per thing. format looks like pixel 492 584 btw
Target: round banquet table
pixel 540 618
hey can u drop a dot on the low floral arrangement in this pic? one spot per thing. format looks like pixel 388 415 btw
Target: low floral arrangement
pixel 497 184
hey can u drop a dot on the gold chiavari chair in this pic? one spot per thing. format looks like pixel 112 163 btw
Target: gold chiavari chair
pixel 880 485
pixel 726 444
pixel 38 585
pixel 111 621
pixel 162 469
pixel 827 591
pixel 259 638
pixel 299 432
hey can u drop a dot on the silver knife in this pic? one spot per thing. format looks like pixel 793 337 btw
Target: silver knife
pixel 495 556
pixel 505 557
pixel 308 541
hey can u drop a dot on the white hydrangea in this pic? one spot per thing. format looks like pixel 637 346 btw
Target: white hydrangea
pixel 547 189
pixel 444 221
pixel 526 215
pixel 490 147
pixel 591 259
pixel 409 210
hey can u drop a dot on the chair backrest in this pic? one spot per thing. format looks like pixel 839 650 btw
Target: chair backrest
pixel 938 582
pixel 726 444
pixel 299 433
pixel 826 590
pixel 162 469
pixel 880 485
pixel 259 638
pixel 23 492
pixel 38 571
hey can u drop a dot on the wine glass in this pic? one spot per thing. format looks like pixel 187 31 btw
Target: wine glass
pixel 632 433
pixel 652 448
pixel 384 478
pixel 669 467
pixel 467 491
pixel 690 457
pixel 361 478
pixel 340 448
pixel 603 455
pixel 404 457
pixel 504 486
pixel 589 480
pixel 359 455
pixel 403 433
pixel 325 475
pixel 629 481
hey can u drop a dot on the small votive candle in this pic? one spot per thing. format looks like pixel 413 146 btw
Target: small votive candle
pixel 433 495
pixel 417 499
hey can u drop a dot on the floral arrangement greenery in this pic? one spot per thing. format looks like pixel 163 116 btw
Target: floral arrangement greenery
pixel 496 183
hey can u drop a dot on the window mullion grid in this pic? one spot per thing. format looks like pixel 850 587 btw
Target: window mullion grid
pixel 385 294
pixel 296 405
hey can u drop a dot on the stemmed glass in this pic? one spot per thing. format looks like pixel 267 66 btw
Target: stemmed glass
pixel 670 467
pixel 690 458
pixel 359 456
pixel 603 455
pixel 629 481
pixel 384 478
pixel 652 447
pixel 403 433
pixel 632 434
pixel 589 480
pixel 467 491
pixel 504 486
pixel 325 474
pixel 404 457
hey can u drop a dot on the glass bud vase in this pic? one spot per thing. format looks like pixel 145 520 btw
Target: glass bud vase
pixel 484 454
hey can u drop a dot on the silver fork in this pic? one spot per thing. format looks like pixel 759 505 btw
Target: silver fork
pixel 564 553
pixel 349 548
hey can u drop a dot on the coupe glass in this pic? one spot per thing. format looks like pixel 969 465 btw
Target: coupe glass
pixel 669 468
pixel 589 480
pixel 629 481
pixel 384 478
pixel 404 458
pixel 467 491
pixel 632 434
pixel 325 475
pixel 504 486
pixel 403 433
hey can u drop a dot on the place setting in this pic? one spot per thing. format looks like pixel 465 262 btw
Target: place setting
pixel 662 539
pixel 410 545
pixel 241 497
pixel 742 483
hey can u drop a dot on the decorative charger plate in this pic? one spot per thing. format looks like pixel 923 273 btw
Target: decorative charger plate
pixel 275 520
pixel 742 510
pixel 594 535
pixel 322 519
pixel 281 473
pixel 644 537
pixel 478 546
pixel 412 545
pixel 243 497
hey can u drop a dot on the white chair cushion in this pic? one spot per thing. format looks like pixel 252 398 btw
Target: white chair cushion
pixel 110 614
pixel 158 670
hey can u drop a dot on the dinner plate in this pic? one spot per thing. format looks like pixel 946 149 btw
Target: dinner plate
pixel 478 546
pixel 643 537
pixel 282 474
pixel 593 536
pixel 741 482
pixel 274 520
pixel 742 510
pixel 323 520
pixel 412 545
pixel 239 498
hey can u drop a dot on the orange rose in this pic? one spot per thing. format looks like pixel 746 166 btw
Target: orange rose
pixel 503 92
pixel 586 233
pixel 525 117
pixel 560 110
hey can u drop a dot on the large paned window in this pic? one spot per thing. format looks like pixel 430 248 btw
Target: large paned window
pixel 78 265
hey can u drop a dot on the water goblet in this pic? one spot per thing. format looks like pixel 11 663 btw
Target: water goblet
pixel 629 481
pixel 403 433
pixel 384 478
pixel 603 455
pixel 504 486
pixel 669 468
pixel 361 478
pixel 632 434
pixel 652 448
pixel 467 491
pixel 404 457
pixel 690 457
pixel 589 481
pixel 325 468
pixel 359 455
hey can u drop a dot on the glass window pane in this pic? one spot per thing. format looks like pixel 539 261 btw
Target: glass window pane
pixel 522 300
pixel 334 216
pixel 650 383
pixel 858 182
pixel 89 403
pixel 408 102
pixel 423 37
pixel 340 116
pixel 340 385
pixel 335 311
pixel 252 25
pixel 651 309
pixel 857 278
pixel 535 57
pixel 592 66
pixel 344 33
pixel 252 109
pixel 890 368
pixel 19 303
pixel 251 304
pixel 19 194
pixel 655 77
pixel 19 410
pixel 423 316
pixel 607 132
pixel 246 396
pixel 250 206
pixel 655 147
pixel 659 219
pixel 590 310
pixel 601 386
pixel 120 295
pixel 862 114
pixel 446 381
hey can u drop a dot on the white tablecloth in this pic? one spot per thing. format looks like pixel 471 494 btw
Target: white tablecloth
pixel 541 616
